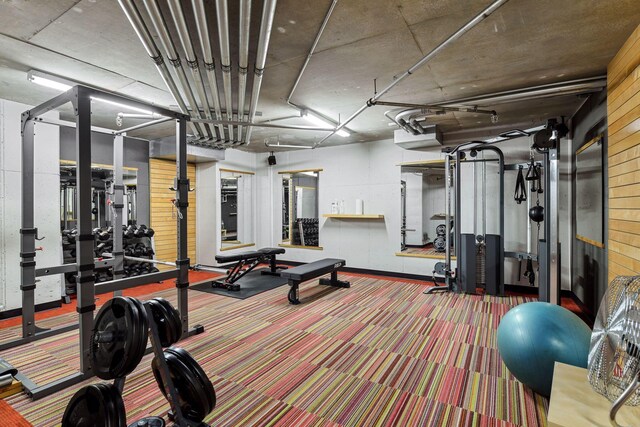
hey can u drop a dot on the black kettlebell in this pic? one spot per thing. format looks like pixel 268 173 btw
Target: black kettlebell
pixel 536 213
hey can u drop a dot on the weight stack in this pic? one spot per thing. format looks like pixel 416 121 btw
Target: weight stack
pixel 467 263
pixel 494 259
pixel 480 264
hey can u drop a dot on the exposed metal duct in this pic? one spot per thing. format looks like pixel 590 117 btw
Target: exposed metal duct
pixel 268 13
pixel 200 15
pixel 175 9
pixel 469 25
pixel 245 24
pixel 133 15
pixel 157 20
pixel 225 57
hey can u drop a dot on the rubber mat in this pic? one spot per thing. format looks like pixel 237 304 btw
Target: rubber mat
pixel 252 284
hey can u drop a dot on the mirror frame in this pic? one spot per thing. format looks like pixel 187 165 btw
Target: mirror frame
pixel 283 243
pixel 219 214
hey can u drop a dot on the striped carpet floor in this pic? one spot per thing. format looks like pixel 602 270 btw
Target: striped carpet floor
pixel 378 354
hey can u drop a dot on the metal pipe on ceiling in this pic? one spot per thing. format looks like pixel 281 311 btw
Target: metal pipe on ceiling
pixel 262 125
pixel 243 63
pixel 431 107
pixel 200 15
pixel 153 10
pixel 312 50
pixel 569 87
pixel 469 25
pixel 268 13
pixel 133 15
pixel 175 9
pixel 225 58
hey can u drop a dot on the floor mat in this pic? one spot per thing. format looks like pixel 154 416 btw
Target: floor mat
pixel 252 284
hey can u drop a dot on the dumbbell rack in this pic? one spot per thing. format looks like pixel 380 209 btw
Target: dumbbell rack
pixel 306 232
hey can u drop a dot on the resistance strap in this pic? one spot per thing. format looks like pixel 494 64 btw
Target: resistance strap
pixel 520 194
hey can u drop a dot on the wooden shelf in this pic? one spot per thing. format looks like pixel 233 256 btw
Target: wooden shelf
pixel 574 402
pixel 354 216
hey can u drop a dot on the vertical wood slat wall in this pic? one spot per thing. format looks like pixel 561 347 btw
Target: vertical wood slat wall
pixel 623 114
pixel 161 176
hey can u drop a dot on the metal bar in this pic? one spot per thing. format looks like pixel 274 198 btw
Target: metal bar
pixel 47 390
pixel 84 241
pixel 52 104
pixel 143 125
pixel 28 231
pixel 458 211
pixel 222 13
pixel 39 334
pixel 551 219
pixel 182 202
pixel 243 54
pixel 131 282
pixel 137 259
pixel 261 125
pixel 132 102
pixel 64 123
pixel 56 269
pixel 313 48
pixel 469 25
pixel 117 189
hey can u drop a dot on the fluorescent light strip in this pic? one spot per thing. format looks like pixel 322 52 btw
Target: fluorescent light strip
pixel 58 85
pixel 319 121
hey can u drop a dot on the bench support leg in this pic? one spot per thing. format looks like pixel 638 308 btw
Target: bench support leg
pixel 273 270
pixel 334 281
pixel 294 293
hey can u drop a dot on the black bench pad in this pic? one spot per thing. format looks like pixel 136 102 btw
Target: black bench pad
pixel 271 251
pixel 249 255
pixel 305 272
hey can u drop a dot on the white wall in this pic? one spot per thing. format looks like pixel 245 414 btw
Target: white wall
pixel 366 171
pixel 208 203
pixel 415 208
pixel 47 201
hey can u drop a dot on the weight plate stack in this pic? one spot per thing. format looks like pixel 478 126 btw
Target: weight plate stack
pixel 196 395
pixel 441 230
pixel 119 338
pixel 167 318
pixel 96 405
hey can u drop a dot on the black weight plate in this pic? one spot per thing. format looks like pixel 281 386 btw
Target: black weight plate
pixel 115 404
pixel 116 339
pixel 161 317
pixel 92 406
pixel 195 367
pixel 441 230
pixel 142 332
pixel 173 316
pixel 192 397
pixel 149 422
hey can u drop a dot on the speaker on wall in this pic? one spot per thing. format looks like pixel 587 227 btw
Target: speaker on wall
pixel 271 159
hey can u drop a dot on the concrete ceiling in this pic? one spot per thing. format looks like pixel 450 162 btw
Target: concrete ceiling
pixel 524 43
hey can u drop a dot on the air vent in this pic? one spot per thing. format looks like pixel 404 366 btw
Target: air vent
pixel 432 138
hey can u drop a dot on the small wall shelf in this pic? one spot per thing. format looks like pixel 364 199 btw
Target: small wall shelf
pixel 354 216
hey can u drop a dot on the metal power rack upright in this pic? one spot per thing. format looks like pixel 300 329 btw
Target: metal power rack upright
pixel 80 97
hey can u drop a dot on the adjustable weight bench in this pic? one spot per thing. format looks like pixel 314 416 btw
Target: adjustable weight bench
pixel 244 263
pixel 312 270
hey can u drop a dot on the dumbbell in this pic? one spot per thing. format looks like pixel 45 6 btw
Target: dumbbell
pixel 149 251
pixel 139 232
pixel 71 235
pixel 101 234
pixel 148 232
pixel 140 250
pixel 129 232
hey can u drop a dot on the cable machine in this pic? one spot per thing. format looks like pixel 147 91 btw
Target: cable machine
pixel 464 246
pixel 80 97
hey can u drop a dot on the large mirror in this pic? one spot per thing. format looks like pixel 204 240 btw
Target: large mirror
pixel 300 226
pixel 422 209
pixel 236 209
pixel 101 180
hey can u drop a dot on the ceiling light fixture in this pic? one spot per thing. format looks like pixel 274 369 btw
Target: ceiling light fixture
pixel 61 84
pixel 317 120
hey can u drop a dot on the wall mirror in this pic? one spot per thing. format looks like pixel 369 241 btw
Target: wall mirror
pixel 300 226
pixel 422 209
pixel 236 209
pixel 101 180
pixel 589 184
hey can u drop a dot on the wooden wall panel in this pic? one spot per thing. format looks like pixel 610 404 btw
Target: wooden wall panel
pixel 623 115
pixel 163 221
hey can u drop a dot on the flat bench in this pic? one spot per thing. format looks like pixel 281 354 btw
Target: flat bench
pixel 302 273
pixel 244 263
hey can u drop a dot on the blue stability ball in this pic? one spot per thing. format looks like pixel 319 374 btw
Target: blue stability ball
pixel 535 335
